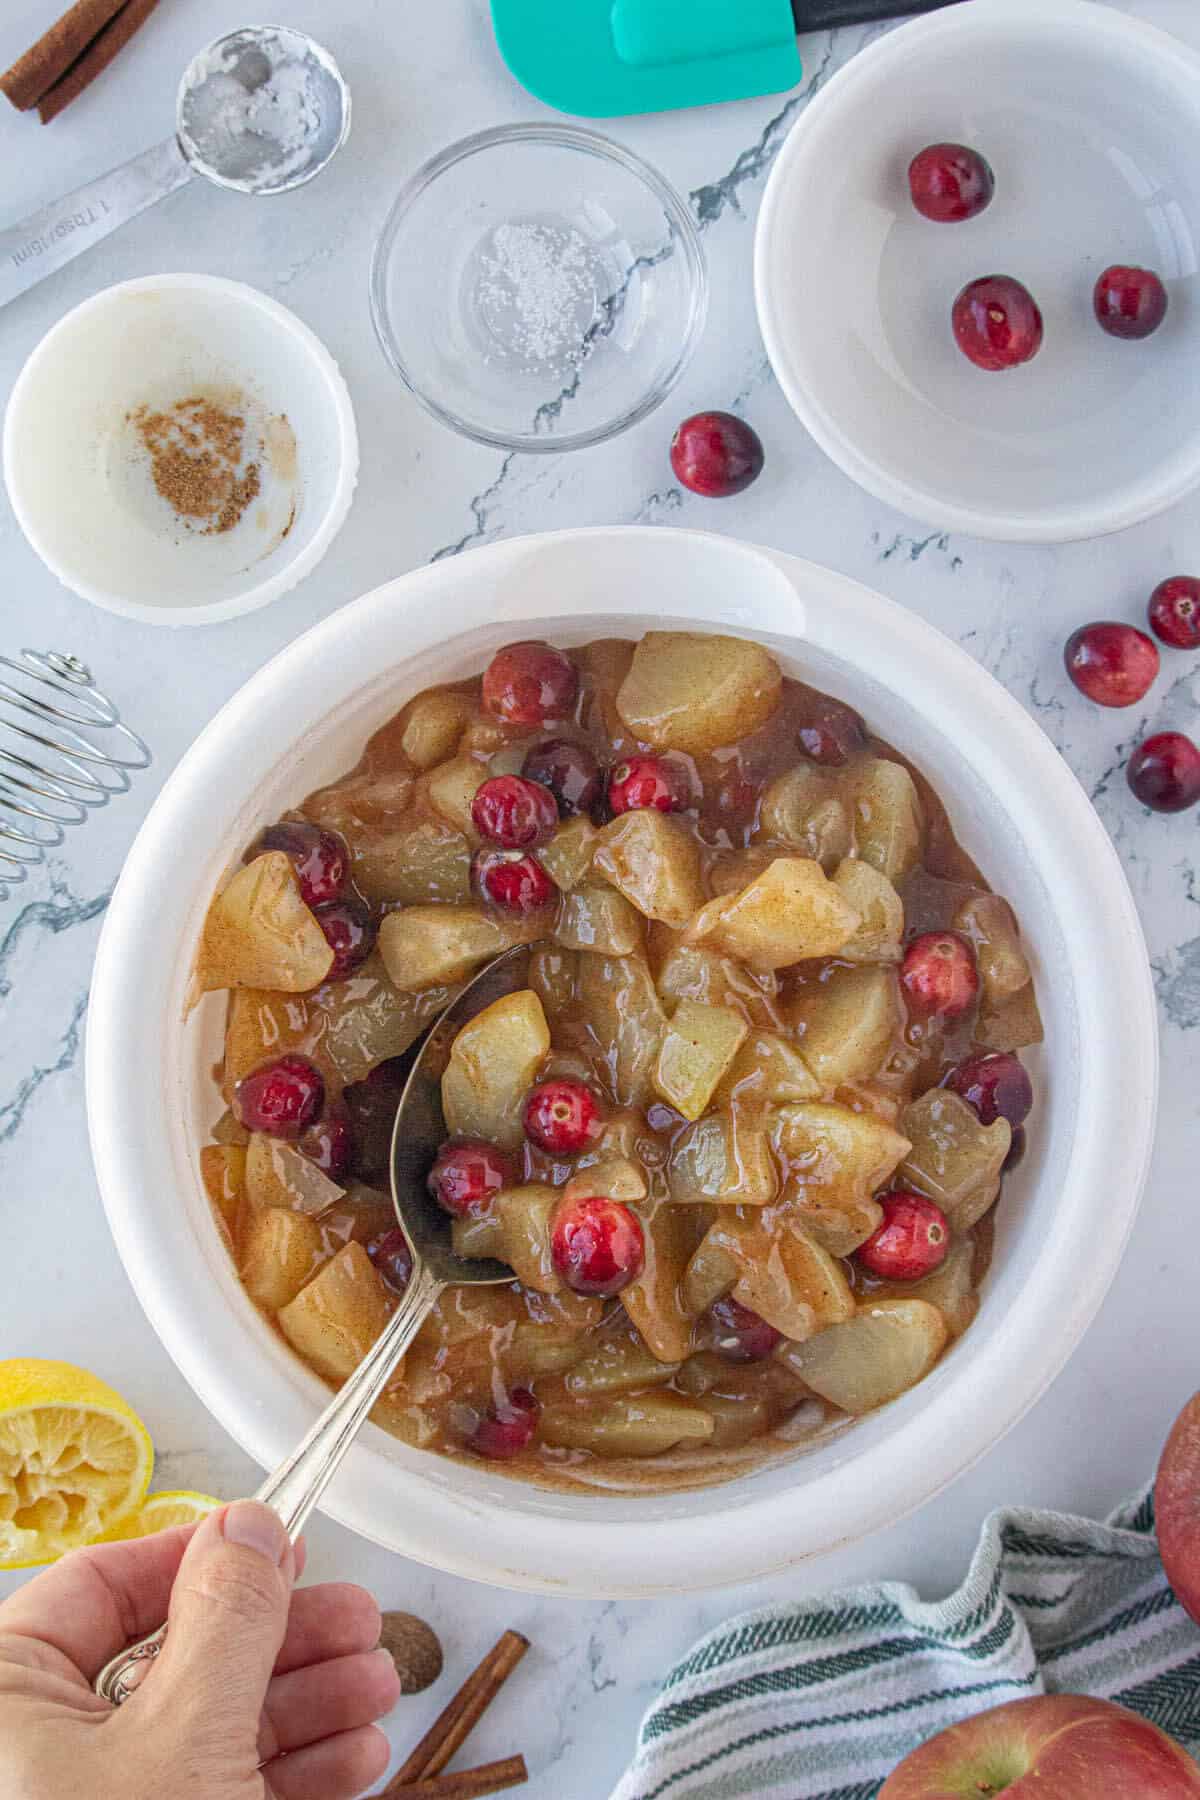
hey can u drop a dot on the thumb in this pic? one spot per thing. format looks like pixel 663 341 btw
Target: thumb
pixel 225 1628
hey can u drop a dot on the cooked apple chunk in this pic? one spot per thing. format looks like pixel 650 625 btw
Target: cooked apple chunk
pixel 434 724
pixel 277 1175
pixel 690 691
pixel 880 910
pixel 722 1161
pixel 452 787
pixel 594 917
pixel 567 858
pixel 648 857
pixel 422 863
pixel 883 1351
pixel 223 1172
pixel 791 912
pixel 768 1070
pixel 889 821
pixel 990 924
pixel 954 1158
pixel 260 934
pixel 619 1004
pixel 368 1020
pixel 804 810
pixel 280 1252
pixel 848 1023
pixel 516 1229
pixel 654 1301
pixel 634 1425
pixel 435 946
pixel 334 1321
pixel 836 1160
pixel 1012 1024
pixel 617 1363
pixel 688 972
pixel 786 1277
pixel 493 1063
pixel 951 1288
pixel 697 1049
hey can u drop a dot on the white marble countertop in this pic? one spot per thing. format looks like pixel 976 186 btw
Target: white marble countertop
pixel 420 77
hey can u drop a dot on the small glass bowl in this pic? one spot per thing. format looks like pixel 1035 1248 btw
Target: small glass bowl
pixel 539 288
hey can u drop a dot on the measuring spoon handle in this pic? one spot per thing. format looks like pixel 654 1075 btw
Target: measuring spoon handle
pixel 56 234
pixel 298 1483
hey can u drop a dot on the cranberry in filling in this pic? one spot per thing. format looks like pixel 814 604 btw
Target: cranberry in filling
pixel 467 1175
pixel 911 1242
pixel 530 684
pixel 320 858
pixel 281 1098
pixel 597 1246
pixel 514 813
pixel 561 1117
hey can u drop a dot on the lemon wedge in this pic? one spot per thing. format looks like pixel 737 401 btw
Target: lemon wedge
pixel 162 1511
pixel 75 1460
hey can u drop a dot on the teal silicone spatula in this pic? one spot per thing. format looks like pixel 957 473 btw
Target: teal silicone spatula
pixel 600 58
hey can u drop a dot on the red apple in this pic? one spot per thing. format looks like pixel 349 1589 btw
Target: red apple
pixel 1054 1747
pixel 1177 1507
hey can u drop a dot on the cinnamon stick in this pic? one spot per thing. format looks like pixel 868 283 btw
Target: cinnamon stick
pixel 451 1728
pixel 466 1784
pixel 96 58
pixel 50 58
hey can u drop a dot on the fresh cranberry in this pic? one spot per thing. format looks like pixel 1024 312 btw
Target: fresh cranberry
pixel 393 1258
pixel 281 1098
pixel 739 1335
pixel 569 770
pixel 1016 1150
pixel 1113 664
pixel 1164 772
pixel 716 454
pixel 1175 612
pixel 1129 303
pixel 561 1117
pixel 372 1105
pixel 320 858
pixel 950 182
pixel 350 933
pixel 329 1142
pixel 467 1175
pixel 997 324
pixel 529 684
pixel 911 1242
pixel 939 975
pixel 514 812
pixel 645 781
pixel 996 1084
pixel 597 1246
pixel 506 1428
pixel 513 880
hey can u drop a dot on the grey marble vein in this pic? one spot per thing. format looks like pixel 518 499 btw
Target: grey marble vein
pixel 714 198
pixel 12 1112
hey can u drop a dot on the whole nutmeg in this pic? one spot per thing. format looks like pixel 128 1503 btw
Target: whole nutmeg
pixel 415 1649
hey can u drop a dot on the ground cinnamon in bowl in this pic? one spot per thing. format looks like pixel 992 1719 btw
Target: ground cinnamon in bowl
pixel 197 449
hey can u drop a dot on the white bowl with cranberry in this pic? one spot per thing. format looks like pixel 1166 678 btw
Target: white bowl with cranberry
pixel 299 724
pixel 975 294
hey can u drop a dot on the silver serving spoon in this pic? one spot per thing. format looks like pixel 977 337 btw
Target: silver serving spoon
pixel 261 111
pixel 297 1484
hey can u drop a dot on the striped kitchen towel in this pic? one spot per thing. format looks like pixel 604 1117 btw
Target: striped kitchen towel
pixel 820 1700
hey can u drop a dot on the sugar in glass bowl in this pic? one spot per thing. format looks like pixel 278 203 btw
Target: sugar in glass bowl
pixel 539 287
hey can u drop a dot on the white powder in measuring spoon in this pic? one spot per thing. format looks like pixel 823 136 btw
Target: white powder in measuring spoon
pixel 537 292
pixel 253 110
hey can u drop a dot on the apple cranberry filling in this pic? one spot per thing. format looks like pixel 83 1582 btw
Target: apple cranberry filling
pixel 738 1135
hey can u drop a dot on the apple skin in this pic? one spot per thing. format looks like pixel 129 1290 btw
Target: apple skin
pixel 1177 1507
pixel 1052 1747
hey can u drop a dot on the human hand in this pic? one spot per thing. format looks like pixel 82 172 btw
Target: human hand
pixel 258 1694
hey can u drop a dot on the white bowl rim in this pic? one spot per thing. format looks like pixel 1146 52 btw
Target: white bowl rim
pixel 732 1535
pixel 916 38
pixel 293 572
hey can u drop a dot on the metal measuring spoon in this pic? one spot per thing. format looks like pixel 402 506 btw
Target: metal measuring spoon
pixel 261 111
pixel 297 1484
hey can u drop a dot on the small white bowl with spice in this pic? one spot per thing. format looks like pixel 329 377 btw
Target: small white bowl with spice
pixel 180 449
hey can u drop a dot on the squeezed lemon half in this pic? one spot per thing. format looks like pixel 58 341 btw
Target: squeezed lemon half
pixel 75 1460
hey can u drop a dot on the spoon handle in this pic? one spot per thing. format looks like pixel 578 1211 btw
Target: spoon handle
pixel 56 234
pixel 298 1483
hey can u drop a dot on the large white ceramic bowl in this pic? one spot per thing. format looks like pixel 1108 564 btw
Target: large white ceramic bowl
pixel 301 721
pixel 1090 120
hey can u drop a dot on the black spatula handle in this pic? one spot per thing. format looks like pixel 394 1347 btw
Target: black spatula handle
pixel 822 15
